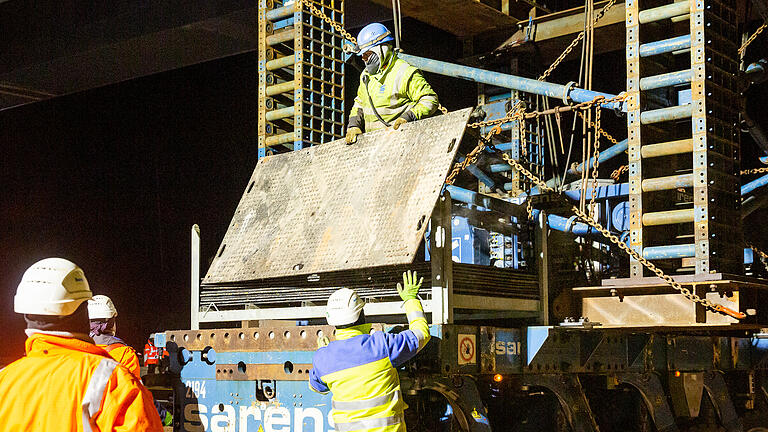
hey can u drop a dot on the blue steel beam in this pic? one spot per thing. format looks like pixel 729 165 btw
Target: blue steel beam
pixel 665 46
pixel 479 174
pixel 528 85
pixel 605 155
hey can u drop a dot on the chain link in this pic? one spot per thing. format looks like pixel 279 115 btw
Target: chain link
pixel 599 129
pixel 616 174
pixel 575 42
pixel 337 26
pixel 752 38
pixel 754 171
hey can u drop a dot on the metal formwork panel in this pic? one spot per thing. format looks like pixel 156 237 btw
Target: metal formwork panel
pixel 301 75
pixel 713 90
pixel 633 134
pixel 338 207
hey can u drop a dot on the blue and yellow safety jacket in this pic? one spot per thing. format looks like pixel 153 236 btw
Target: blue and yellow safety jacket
pixel 359 369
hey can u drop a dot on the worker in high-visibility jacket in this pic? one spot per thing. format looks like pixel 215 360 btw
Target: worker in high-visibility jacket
pixel 65 382
pixel 152 355
pixel 102 313
pixel 359 366
pixel 391 92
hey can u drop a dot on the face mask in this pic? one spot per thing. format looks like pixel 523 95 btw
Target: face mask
pixel 373 63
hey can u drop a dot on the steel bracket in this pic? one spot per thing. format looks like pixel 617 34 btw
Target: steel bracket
pixel 571 396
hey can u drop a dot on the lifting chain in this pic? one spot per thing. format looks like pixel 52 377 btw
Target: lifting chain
pixel 752 38
pixel 337 26
pixel 616 174
pixel 595 160
pixel 754 171
pixel 575 42
pixel 588 220
pixel 599 129
pixel 762 254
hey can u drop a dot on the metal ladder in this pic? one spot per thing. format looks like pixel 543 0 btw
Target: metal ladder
pixel 683 138
pixel 301 75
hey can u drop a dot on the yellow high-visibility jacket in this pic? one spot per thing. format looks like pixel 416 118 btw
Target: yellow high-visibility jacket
pixel 359 369
pixel 397 90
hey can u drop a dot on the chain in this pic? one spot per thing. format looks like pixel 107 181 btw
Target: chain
pixel 599 129
pixel 338 27
pixel 762 254
pixel 752 38
pixel 595 161
pixel 619 171
pixel 575 42
pixel 754 171
pixel 472 157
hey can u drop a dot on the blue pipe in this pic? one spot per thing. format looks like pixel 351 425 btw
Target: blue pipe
pixel 603 192
pixel 669 252
pixel 605 155
pixel 665 46
pixel 754 184
pixel 666 80
pixel 764 160
pixel 666 114
pixel 528 85
pixel 479 174
pixel 570 225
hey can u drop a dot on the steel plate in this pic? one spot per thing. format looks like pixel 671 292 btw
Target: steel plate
pixel 337 207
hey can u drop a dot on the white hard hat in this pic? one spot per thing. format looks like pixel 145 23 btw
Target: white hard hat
pixel 344 307
pixel 101 307
pixel 53 286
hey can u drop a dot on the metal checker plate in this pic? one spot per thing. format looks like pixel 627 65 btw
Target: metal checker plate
pixel 337 207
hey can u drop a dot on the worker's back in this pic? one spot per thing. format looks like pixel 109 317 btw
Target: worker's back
pixel 63 382
pixel 121 352
pixel 359 369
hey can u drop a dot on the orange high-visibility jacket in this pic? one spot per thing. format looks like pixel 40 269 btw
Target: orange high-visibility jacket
pixel 65 384
pixel 124 355
pixel 151 354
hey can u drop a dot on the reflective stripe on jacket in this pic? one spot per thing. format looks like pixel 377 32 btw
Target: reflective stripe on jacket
pixel 65 384
pixel 151 354
pixel 398 90
pixel 124 355
pixel 359 369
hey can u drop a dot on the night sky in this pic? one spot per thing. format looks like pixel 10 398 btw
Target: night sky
pixel 113 178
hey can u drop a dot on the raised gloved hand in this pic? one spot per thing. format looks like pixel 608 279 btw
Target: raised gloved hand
pixel 352 134
pixel 322 341
pixel 410 288
pixel 399 122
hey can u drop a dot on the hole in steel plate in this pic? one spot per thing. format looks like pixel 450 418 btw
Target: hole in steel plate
pixel 320 333
pixel 224 246
pixel 250 186
pixel 271 335
pixel 186 337
pixel 287 334
pixel 421 222
pixel 199 336
pixel 241 335
pixel 303 333
pixel 226 335
pixel 297 267
pixel 450 146
pixel 241 367
pixel 288 367
pixel 255 335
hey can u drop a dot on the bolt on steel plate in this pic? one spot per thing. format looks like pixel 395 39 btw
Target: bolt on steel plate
pixel 340 207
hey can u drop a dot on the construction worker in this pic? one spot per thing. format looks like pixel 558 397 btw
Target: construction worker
pixel 102 314
pixel 391 92
pixel 151 355
pixel 65 382
pixel 359 366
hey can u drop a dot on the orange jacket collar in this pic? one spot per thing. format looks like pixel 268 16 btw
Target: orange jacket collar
pixel 40 342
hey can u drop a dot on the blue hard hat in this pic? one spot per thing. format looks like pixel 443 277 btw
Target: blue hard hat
pixel 372 35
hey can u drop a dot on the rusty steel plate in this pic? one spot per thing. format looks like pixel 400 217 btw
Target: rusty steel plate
pixel 338 207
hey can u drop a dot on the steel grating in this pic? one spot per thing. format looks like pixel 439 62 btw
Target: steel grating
pixel 337 207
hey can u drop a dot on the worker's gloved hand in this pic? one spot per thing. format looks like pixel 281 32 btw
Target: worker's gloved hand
pixel 399 122
pixel 352 134
pixel 410 288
